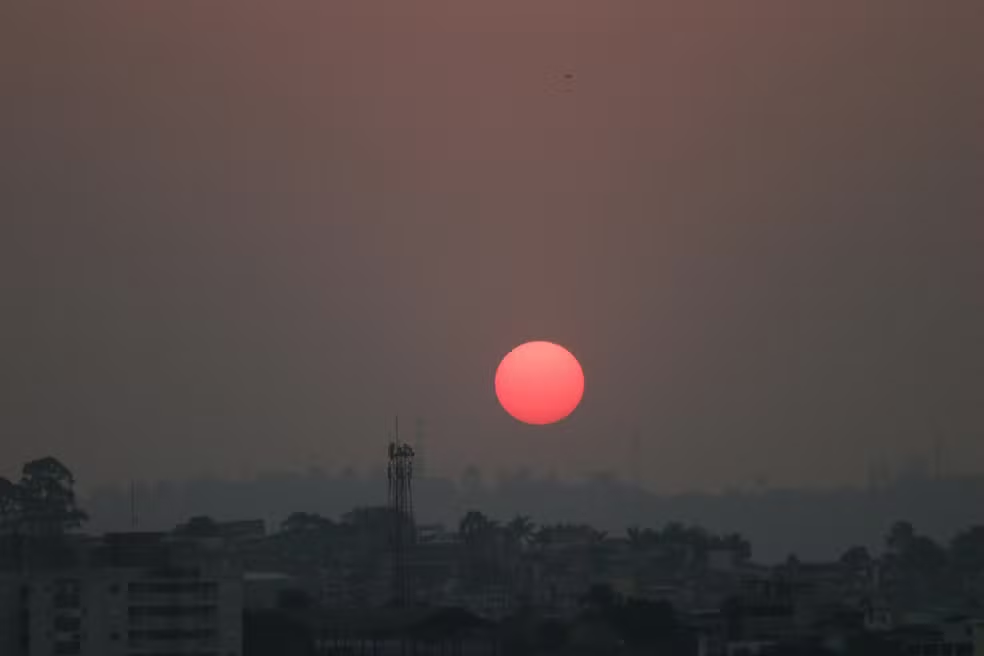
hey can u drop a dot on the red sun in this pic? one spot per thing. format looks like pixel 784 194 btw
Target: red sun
pixel 539 383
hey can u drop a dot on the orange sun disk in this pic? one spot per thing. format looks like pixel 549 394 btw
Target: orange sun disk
pixel 539 383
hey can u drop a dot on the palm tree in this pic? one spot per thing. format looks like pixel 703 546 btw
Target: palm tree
pixel 543 536
pixel 520 528
pixel 474 525
pixel 518 533
pixel 482 537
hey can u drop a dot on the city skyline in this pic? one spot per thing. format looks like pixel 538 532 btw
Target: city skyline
pixel 492 328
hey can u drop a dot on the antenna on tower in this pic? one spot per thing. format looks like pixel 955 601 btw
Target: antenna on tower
pixel 399 476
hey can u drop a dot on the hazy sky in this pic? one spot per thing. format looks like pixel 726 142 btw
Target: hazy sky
pixel 237 237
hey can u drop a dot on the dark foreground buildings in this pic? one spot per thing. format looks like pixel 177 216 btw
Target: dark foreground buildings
pixel 120 595
pixel 318 587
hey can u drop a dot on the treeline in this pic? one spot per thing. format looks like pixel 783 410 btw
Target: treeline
pixel 42 502
pixel 906 548
pixel 816 524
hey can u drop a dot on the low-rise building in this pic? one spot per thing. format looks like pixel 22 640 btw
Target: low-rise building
pixel 130 594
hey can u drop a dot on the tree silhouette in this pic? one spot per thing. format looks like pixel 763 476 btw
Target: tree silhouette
pixel 925 556
pixel 299 522
pixel 520 528
pixel 967 550
pixel 483 539
pixel 900 536
pixel 737 543
pixel 856 558
pixel 376 524
pixel 912 552
pixel 200 526
pixel 475 526
pixel 46 497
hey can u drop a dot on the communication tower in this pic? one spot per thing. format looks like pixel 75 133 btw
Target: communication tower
pixel 399 475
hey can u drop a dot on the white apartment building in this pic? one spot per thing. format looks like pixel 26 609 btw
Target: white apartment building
pixel 144 596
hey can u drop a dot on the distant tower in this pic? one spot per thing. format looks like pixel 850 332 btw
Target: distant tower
pixel 399 475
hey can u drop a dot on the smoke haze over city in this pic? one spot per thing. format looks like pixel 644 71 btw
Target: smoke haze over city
pixel 237 239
